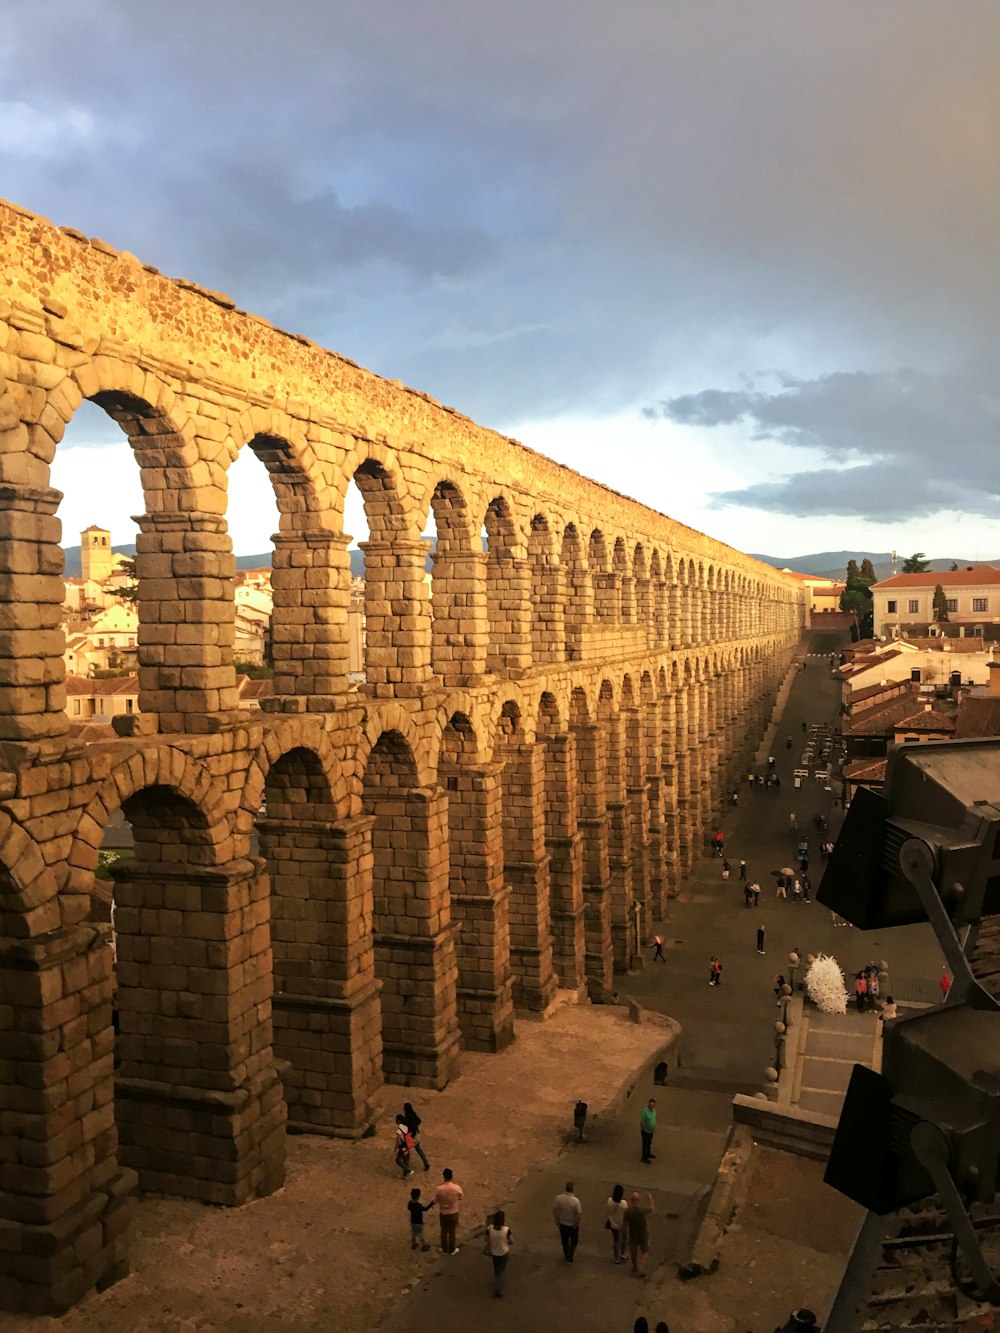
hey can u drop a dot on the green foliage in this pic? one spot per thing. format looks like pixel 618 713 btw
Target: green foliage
pixel 254 670
pixel 916 563
pixel 940 605
pixel 107 857
pixel 953 566
pixel 130 593
pixel 856 599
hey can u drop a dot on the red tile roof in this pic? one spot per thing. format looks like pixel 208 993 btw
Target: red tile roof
pixel 865 770
pixel 955 578
pixel 928 719
pixel 977 717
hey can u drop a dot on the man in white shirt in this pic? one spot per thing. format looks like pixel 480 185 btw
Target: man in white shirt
pixel 567 1211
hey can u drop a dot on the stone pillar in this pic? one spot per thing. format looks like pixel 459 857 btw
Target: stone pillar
pixel 592 821
pixel 607 597
pixel 654 802
pixel 644 610
pixel 526 866
pixel 460 632
pixel 564 845
pixel 508 601
pixel 200 1105
pixel 661 604
pixel 635 787
pixel 415 938
pixel 398 642
pixel 685 802
pixel 671 851
pixel 548 597
pixel 32 693
pixel 675 617
pixel 311 584
pixel 65 1203
pixel 186 566
pixel 327 1016
pixel 624 938
pixel 480 904
pixel 579 611
pixel 627 599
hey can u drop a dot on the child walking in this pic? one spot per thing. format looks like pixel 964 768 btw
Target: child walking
pixel 416 1209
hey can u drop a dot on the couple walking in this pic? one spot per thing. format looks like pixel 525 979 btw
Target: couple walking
pixel 408 1140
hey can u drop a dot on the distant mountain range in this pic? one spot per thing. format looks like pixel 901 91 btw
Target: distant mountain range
pixel 824 564
pixel 833 564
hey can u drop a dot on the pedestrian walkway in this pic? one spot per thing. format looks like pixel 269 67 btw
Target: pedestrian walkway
pixel 827 1048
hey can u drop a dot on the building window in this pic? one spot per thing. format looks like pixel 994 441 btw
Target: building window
pixel 129 705
pixel 913 606
pixel 951 603
pixel 891 608
pixel 980 603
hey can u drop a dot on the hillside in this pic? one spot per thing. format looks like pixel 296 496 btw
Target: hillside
pixel 833 564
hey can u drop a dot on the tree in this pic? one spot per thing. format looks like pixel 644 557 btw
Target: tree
pixel 130 592
pixel 852 570
pixel 953 566
pixel 916 563
pixel 868 571
pixel 940 605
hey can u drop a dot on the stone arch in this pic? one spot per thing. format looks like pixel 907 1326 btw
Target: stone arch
pixel 548 633
pixel 605 594
pixel 459 621
pixel 394 718
pixel 158 427
pixel 508 591
pixel 578 611
pixel 160 767
pixel 294 735
pixel 282 447
pixel 549 720
pixel 29 903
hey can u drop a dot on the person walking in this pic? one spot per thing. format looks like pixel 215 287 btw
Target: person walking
pixel 615 1222
pixel 715 970
pixel 793 822
pixel 726 869
pixel 860 991
pixel 718 843
pixel 755 890
pixel 658 949
pixel 567 1211
pixel 413 1123
pixel 781 891
pixel 416 1211
pixel 637 1230
pixel 404 1144
pixel 647 1128
pixel 796 890
pixel 448 1196
pixel 743 869
pixel 760 939
pixel 498 1243
pixel 806 887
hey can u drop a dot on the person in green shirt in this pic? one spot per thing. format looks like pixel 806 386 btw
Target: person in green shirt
pixel 647 1128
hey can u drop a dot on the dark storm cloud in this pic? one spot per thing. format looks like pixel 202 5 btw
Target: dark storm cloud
pixel 908 442
pixel 535 206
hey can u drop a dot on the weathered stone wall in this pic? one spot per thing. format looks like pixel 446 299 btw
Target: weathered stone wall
pixel 501 811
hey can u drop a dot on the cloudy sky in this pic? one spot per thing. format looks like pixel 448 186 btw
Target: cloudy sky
pixel 739 258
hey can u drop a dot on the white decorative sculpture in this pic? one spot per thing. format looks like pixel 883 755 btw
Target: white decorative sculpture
pixel 825 985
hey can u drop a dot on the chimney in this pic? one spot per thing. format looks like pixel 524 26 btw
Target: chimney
pixel 994 680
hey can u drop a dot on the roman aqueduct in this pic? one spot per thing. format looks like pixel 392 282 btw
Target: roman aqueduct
pixel 498 813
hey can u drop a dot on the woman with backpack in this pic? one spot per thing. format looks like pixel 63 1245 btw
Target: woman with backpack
pixel 404 1146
